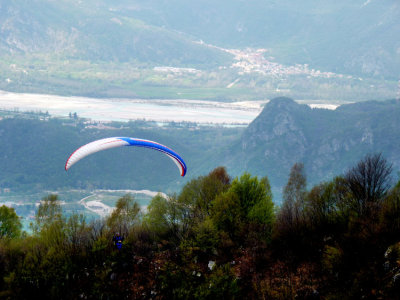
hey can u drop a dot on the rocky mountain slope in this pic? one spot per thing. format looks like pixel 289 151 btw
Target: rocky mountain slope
pixel 326 141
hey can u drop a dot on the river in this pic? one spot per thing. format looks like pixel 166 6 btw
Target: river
pixel 178 110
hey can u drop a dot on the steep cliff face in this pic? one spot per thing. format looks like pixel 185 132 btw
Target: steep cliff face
pixel 278 123
pixel 327 142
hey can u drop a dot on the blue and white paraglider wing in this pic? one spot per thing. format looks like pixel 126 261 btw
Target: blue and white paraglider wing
pixel 114 142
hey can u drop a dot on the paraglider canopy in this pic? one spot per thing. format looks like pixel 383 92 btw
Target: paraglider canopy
pixel 114 142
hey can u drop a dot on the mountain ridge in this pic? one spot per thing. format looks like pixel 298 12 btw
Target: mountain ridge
pixel 73 31
pixel 326 141
pixel 329 50
pixel 339 36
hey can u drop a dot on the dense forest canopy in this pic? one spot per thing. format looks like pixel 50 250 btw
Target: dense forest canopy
pixel 219 237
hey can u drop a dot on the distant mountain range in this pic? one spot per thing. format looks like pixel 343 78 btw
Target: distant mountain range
pixel 93 31
pixel 352 37
pixel 357 37
pixel 110 48
pixel 328 142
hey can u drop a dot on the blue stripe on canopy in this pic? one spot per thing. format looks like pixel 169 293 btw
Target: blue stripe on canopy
pixel 155 146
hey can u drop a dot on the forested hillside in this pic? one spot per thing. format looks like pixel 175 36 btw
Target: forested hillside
pixel 34 152
pixel 346 37
pixel 92 31
pixel 340 36
pixel 327 142
pixel 225 50
pixel 218 238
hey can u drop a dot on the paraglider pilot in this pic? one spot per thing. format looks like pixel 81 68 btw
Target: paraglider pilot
pixel 117 239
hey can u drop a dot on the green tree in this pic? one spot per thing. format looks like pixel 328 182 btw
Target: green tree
pixel 10 224
pixel 125 215
pixel 263 210
pixel 77 234
pixel 169 217
pixel 227 214
pixel 325 212
pixel 182 216
pixel 47 258
pixel 290 228
pixel 390 215
pixel 294 193
pixel 248 200
pixel 157 216
pixel 200 192
pixel 206 236
pixel 49 212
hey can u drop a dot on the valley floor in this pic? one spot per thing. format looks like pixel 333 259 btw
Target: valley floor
pixel 176 110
